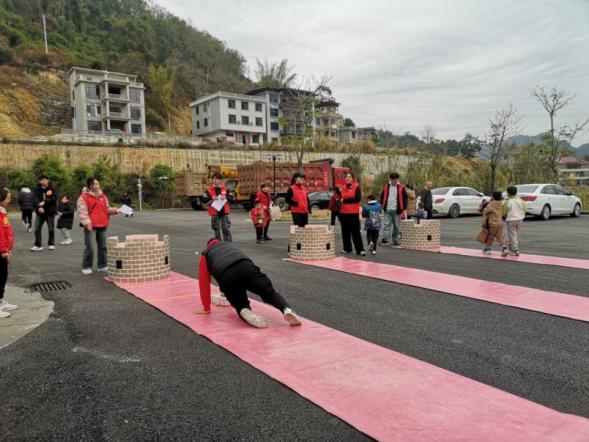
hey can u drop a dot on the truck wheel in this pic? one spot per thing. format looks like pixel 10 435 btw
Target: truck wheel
pixel 281 202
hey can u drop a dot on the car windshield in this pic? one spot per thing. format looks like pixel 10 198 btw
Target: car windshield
pixel 527 188
pixel 440 191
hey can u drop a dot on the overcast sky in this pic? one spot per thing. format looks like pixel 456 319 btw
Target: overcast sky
pixel 404 64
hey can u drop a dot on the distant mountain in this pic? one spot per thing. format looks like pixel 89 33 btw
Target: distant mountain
pixel 582 151
pixel 536 139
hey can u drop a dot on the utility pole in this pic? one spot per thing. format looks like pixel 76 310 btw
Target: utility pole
pixel 45 34
pixel 140 193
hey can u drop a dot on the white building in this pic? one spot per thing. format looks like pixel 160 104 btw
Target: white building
pixel 226 116
pixel 105 101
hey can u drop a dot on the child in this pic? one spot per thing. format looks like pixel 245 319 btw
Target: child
pixel 66 219
pixel 260 219
pixel 6 244
pixel 493 222
pixel 373 223
pixel 421 212
pixel 514 212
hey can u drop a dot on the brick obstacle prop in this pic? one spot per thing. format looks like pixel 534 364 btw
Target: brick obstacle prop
pixel 140 258
pixel 424 235
pixel 312 242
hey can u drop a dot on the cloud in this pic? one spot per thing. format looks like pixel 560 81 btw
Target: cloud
pixel 407 64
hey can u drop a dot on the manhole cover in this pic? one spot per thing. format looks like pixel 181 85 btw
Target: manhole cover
pixel 53 286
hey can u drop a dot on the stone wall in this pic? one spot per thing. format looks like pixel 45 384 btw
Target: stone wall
pixel 422 236
pixel 140 258
pixel 140 160
pixel 311 243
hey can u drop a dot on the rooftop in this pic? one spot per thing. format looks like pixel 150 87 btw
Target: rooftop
pixel 223 94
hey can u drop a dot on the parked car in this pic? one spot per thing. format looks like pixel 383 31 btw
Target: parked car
pixel 545 200
pixel 319 200
pixel 456 201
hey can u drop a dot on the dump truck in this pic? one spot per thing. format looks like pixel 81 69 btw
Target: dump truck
pixel 321 176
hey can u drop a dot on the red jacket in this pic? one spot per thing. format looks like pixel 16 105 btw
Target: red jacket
pixel 262 212
pixel 299 195
pixel 266 199
pixel 6 235
pixel 98 209
pixel 401 197
pixel 204 283
pixel 212 192
pixel 351 197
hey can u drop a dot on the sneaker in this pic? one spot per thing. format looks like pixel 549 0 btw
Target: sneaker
pixel 36 249
pixel 515 252
pixel 384 242
pixel 4 314
pixel 68 241
pixel 102 269
pixel 5 306
pixel 87 271
pixel 63 243
pixel 24 224
pixel 253 319
pixel 30 229
pixel 487 251
pixel 258 241
pixel 291 317
pixel 345 252
pixel 267 238
pixel 504 251
pixel 362 253
pixel 374 252
pixel 51 247
pixel 370 246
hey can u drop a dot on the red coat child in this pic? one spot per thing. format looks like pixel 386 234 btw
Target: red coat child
pixel 6 235
pixel 260 216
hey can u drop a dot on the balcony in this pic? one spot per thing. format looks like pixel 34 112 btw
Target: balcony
pixel 116 115
pixel 115 97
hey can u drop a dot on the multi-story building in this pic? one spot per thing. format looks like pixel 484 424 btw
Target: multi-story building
pixel 366 133
pixel 573 172
pixel 348 135
pixel 328 120
pixel 105 101
pixel 226 116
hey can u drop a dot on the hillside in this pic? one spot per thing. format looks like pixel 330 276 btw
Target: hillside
pixel 119 35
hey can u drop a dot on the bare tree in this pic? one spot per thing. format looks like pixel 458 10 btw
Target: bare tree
pixel 502 125
pixel 429 134
pixel 553 101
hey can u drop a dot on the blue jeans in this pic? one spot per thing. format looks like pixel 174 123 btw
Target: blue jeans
pixel 88 260
pixel 392 227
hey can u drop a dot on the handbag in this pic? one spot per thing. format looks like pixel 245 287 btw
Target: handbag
pixel 275 213
pixel 482 236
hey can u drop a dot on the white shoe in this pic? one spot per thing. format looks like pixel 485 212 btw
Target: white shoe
pixel 68 241
pixel 374 252
pixel 63 243
pixel 24 224
pixel 36 249
pixel 30 229
pixel 87 271
pixel 4 314
pixel 5 306
pixel 253 319
pixel 102 269
pixel 291 317
pixel 51 247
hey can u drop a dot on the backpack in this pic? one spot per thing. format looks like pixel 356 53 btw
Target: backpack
pixel 373 221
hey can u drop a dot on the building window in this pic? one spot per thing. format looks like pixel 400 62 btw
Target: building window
pixel 73 94
pixel 353 134
pixel 245 120
pixel 274 140
pixel 274 126
pixel 232 119
pixel 196 109
pixel 206 122
pixel 255 139
pixel 135 113
pixel 231 104
pixel 274 112
pixel 92 91
pixel 135 95
pixel 245 105
pixel 93 110
pixel 94 126
pixel 259 121
pixel 258 107
pixel 273 97
pixel 229 134
pixel 205 108
pixel 73 112
pixel 197 125
pixel 136 129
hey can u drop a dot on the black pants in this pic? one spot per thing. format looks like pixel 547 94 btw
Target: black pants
pixel 260 233
pixel 41 219
pixel 243 276
pixel 372 237
pixel 3 276
pixel 334 216
pixel 266 230
pixel 350 223
pixel 300 219
pixel 27 217
pixel 430 213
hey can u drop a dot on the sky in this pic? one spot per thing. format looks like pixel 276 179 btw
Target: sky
pixel 406 64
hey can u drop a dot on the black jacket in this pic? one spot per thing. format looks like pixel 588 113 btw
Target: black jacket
pixel 49 195
pixel 26 199
pixel 221 256
pixel 427 199
pixel 66 220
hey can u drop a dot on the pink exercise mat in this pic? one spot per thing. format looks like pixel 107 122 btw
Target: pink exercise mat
pixel 384 394
pixel 552 303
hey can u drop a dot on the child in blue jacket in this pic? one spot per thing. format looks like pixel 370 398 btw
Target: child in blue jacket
pixel 373 222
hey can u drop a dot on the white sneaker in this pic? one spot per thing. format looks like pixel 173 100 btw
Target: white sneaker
pixel 291 317
pixel 5 306
pixel 4 314
pixel 87 271
pixel 36 249
pixel 63 243
pixel 374 252
pixel 68 241
pixel 51 247
pixel 102 269
pixel 30 229
pixel 253 319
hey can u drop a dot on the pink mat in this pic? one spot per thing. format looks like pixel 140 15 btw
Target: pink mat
pixel 552 303
pixel 533 259
pixel 384 394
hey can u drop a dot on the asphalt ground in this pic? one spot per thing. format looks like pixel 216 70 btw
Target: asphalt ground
pixel 107 366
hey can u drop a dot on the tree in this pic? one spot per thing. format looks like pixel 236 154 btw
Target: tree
pixel 502 125
pixel 348 122
pixel 469 146
pixel 354 163
pixel 277 75
pixel 553 101
pixel 429 134
pixel 52 168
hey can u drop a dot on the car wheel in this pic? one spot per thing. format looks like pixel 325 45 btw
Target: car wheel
pixel 576 211
pixel 315 206
pixel 545 214
pixel 454 211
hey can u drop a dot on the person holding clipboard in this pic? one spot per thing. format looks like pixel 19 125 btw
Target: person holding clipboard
pixel 219 209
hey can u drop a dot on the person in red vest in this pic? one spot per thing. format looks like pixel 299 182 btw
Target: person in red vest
pixel 298 199
pixel 94 212
pixel 219 208
pixel 6 245
pixel 266 199
pixel 349 216
pixel 260 219
pixel 394 202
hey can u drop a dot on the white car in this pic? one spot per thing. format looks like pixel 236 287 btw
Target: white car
pixel 456 201
pixel 544 200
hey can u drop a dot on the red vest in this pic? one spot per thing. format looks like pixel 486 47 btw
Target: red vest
pixel 299 195
pixel 385 197
pixel 6 235
pixel 213 194
pixel 97 209
pixel 347 193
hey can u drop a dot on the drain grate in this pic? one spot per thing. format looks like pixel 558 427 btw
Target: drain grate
pixel 52 286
